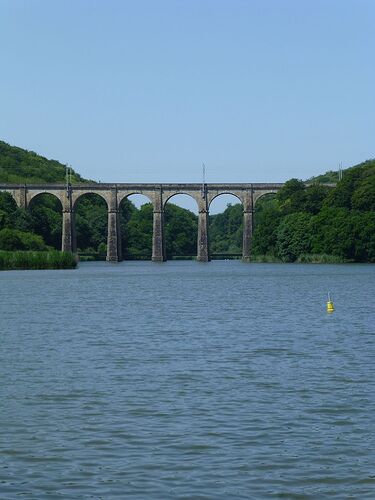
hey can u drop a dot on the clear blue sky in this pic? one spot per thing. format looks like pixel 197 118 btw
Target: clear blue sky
pixel 146 91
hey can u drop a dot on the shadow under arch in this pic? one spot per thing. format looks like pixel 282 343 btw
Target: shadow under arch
pixel 91 225
pixel 226 226
pixel 180 227
pixel 136 226
pixel 45 210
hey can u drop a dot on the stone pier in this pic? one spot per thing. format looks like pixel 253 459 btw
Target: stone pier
pixel 113 236
pixel 248 225
pixel 247 235
pixel 158 248
pixel 68 243
pixel 68 236
pixel 203 252
pixel 158 240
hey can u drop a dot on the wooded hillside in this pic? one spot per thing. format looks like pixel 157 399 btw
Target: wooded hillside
pixel 300 223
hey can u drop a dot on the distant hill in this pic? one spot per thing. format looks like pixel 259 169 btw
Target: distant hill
pixel 20 166
pixel 333 175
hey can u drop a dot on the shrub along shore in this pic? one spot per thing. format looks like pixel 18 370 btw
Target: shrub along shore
pixel 52 259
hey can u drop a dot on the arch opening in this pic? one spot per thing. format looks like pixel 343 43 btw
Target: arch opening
pixel 180 227
pixel 90 193
pixel 226 227
pixel 136 225
pixel 45 210
pixel 17 227
pixel 185 201
pixel 91 226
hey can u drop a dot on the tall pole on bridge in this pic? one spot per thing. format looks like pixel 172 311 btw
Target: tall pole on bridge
pixel 340 171
pixel 203 180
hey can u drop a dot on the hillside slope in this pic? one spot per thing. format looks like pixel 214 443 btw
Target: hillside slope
pixel 333 175
pixel 20 166
pixel 313 223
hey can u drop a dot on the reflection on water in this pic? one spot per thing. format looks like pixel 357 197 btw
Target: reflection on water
pixel 186 380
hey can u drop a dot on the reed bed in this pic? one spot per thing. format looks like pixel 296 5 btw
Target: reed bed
pixel 52 259
pixel 302 259
pixel 320 259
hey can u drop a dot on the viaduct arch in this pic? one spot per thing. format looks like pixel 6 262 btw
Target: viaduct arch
pixel 158 194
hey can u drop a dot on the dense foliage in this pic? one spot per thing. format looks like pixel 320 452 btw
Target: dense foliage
pixel 308 223
pixel 136 225
pixel 181 231
pixel 315 219
pixel 226 231
pixel 301 223
pixel 18 166
pixel 330 177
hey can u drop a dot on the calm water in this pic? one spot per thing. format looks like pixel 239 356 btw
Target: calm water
pixel 188 381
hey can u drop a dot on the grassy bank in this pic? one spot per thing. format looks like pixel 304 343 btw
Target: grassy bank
pixel 36 260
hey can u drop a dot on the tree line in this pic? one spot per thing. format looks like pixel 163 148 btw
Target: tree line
pixel 302 222
pixel 309 222
pixel 40 227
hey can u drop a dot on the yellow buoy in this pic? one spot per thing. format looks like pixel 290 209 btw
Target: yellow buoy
pixel 330 306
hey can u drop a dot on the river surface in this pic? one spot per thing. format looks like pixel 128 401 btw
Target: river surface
pixel 186 380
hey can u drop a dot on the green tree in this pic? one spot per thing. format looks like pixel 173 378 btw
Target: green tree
pixel 347 234
pixel 226 230
pixel 13 239
pixel 291 196
pixel 46 216
pixel 294 236
pixel 267 219
pixel 181 227
pixel 356 189
pixel 13 217
pixel 314 197
pixel 363 198
pixel 137 233
pixel 91 216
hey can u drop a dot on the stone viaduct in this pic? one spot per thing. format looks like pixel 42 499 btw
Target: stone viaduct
pixel 158 194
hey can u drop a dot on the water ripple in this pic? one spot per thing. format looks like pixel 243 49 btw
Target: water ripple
pixel 176 382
